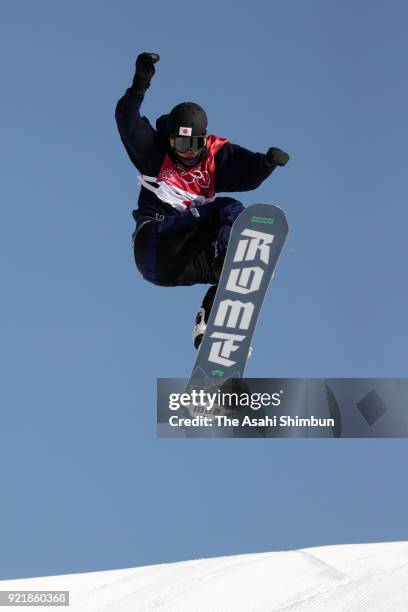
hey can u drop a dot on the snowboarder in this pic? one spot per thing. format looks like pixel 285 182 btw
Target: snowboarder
pixel 182 225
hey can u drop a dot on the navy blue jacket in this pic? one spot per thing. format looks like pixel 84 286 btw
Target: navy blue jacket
pixel 236 168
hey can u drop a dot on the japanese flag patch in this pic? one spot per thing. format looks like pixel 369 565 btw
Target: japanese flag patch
pixel 185 131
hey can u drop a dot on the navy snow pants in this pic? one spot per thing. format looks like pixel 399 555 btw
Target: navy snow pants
pixel 186 249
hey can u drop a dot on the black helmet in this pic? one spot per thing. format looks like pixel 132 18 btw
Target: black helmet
pixel 187 119
pixel 187 128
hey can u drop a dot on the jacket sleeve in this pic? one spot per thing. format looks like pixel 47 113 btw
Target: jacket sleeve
pixel 238 169
pixel 138 136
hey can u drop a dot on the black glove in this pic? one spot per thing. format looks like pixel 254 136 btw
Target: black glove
pixel 144 71
pixel 276 157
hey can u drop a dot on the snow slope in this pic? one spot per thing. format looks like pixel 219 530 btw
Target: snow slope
pixel 348 578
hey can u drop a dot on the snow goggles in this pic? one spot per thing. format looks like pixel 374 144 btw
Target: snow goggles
pixel 182 144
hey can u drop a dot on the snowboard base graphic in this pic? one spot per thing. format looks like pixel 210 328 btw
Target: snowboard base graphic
pixel 256 241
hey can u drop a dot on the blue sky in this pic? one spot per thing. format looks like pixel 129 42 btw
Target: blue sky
pixel 86 485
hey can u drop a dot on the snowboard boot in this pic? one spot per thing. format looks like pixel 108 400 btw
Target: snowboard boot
pixel 202 316
pixel 199 327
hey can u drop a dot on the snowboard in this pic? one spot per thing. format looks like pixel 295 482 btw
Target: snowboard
pixel 256 241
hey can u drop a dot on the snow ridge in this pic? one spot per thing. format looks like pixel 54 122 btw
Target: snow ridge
pixel 345 578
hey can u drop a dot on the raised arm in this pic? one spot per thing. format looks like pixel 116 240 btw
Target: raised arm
pixel 138 136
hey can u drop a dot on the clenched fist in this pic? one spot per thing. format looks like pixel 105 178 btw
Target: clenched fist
pixel 144 71
pixel 276 157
